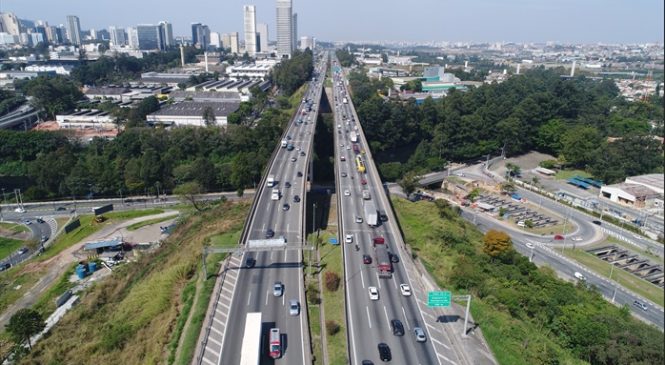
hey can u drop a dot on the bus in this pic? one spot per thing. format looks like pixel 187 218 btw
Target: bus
pixel 250 354
pixel 360 165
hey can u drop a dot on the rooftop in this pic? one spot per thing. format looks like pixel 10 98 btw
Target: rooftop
pixel 196 108
pixel 655 180
pixel 638 191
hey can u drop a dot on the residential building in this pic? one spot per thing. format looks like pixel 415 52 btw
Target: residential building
pixel 132 38
pixel 118 36
pixel 262 31
pixel 74 29
pixel 9 23
pixel 250 30
pixel 215 40
pixel 166 35
pixel 226 40
pixel 284 25
pixel 235 43
pixel 7 39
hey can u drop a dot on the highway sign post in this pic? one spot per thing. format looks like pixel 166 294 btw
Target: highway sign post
pixel 439 299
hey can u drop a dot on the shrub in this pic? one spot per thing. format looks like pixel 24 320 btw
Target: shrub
pixel 331 280
pixel 313 294
pixel 332 327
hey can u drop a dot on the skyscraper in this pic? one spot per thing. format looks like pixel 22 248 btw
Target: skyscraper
pixel 200 35
pixel 148 37
pixel 284 27
pixel 250 29
pixel 74 29
pixel 166 35
pixel 262 31
pixel 9 24
pixel 132 38
pixel 234 43
pixel 294 34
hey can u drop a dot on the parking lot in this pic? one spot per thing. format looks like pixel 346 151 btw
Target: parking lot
pixel 516 211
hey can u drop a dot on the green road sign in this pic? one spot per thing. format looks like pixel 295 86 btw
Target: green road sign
pixel 438 299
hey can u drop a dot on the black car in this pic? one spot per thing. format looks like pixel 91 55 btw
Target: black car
pixel 384 352
pixel 250 262
pixel 597 222
pixel 394 258
pixel 296 199
pixel 299 174
pixel 39 220
pixel 287 184
pixel 285 207
pixel 383 217
pixel 270 233
pixel 60 209
pixel 5 266
pixel 398 328
pixel 367 362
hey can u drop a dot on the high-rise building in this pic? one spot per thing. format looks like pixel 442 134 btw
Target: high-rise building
pixel 250 29
pixel 200 35
pixel 93 33
pixel 307 42
pixel 132 38
pixel 118 37
pixel 9 23
pixel 235 42
pixel 262 31
pixel 226 40
pixel 166 35
pixel 41 29
pixel 148 37
pixel 74 29
pixel 215 40
pixel 284 27
pixel 294 35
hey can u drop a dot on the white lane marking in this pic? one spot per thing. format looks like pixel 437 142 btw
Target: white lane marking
pixel 362 277
pixel 447 359
pixel 283 299
pixel 267 293
pixel 394 281
pixel 385 311
pixel 440 343
pixel 264 227
pixel 408 326
pixel 272 256
pixel 209 361
pixel 249 298
pixel 378 279
pixel 369 321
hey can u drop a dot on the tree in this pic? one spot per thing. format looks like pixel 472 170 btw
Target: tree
pixel 513 170
pixel 209 116
pixel 24 324
pixel 508 187
pixel 496 243
pixel 188 193
pixel 409 183
pixel 331 280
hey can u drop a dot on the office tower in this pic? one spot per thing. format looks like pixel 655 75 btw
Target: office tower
pixel 74 30
pixel 234 42
pixel 118 37
pixel 148 37
pixel 166 35
pixel 284 27
pixel 215 40
pixel 195 33
pixel 226 40
pixel 200 35
pixel 9 24
pixel 132 38
pixel 295 31
pixel 250 29
pixel 41 29
pixel 262 31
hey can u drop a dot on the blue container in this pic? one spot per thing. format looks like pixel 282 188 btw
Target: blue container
pixel 81 271
pixel 92 267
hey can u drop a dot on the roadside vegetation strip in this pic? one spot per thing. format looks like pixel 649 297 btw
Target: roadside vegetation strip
pixel 138 225
pixel 46 302
pixel 567 174
pixel 8 246
pixel 15 282
pixel 621 277
pixel 131 317
pixel 16 228
pixel 313 296
pixel 527 314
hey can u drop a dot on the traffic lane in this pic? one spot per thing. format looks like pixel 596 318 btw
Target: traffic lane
pixel 564 268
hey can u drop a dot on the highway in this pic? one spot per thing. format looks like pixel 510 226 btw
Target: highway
pixel 253 289
pixel 545 254
pixel 369 320
pixel 37 230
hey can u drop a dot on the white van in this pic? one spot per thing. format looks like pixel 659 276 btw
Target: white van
pixel 284 143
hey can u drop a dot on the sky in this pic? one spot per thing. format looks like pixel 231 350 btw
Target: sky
pixel 568 21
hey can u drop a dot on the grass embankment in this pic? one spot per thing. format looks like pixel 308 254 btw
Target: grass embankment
pixel 149 222
pixel 135 316
pixel 8 246
pixel 46 303
pixel 528 315
pixel 13 227
pixel 567 174
pixel 18 280
pixel 623 278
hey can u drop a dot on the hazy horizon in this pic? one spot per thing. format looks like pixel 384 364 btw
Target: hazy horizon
pixel 522 21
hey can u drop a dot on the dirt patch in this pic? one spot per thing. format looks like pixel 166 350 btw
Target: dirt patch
pixel 527 162
pixel 8 233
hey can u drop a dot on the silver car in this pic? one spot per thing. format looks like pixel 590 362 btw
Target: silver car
pixel 294 307
pixel 278 289
pixel 420 334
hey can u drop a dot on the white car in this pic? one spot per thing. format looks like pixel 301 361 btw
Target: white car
pixel 373 293
pixel 577 238
pixel 530 245
pixel 278 289
pixel 359 219
pixel 294 307
pixel 347 193
pixel 348 238
pixel 405 289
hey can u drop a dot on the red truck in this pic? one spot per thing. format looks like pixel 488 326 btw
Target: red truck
pixel 382 257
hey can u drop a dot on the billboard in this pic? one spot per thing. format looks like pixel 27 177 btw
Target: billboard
pixel 103 209
pixel 72 226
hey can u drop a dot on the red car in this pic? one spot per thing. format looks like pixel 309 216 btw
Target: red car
pixel 558 237
pixel 367 259
pixel 363 181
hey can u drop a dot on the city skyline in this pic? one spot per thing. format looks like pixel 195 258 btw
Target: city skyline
pixel 565 21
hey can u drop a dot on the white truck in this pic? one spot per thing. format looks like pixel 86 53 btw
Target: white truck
pixel 275 194
pixel 271 181
pixel 284 143
pixel 371 215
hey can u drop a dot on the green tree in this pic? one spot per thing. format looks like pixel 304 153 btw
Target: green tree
pixel 580 145
pixel 24 324
pixel 189 193
pixel 209 116
pixel 409 183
